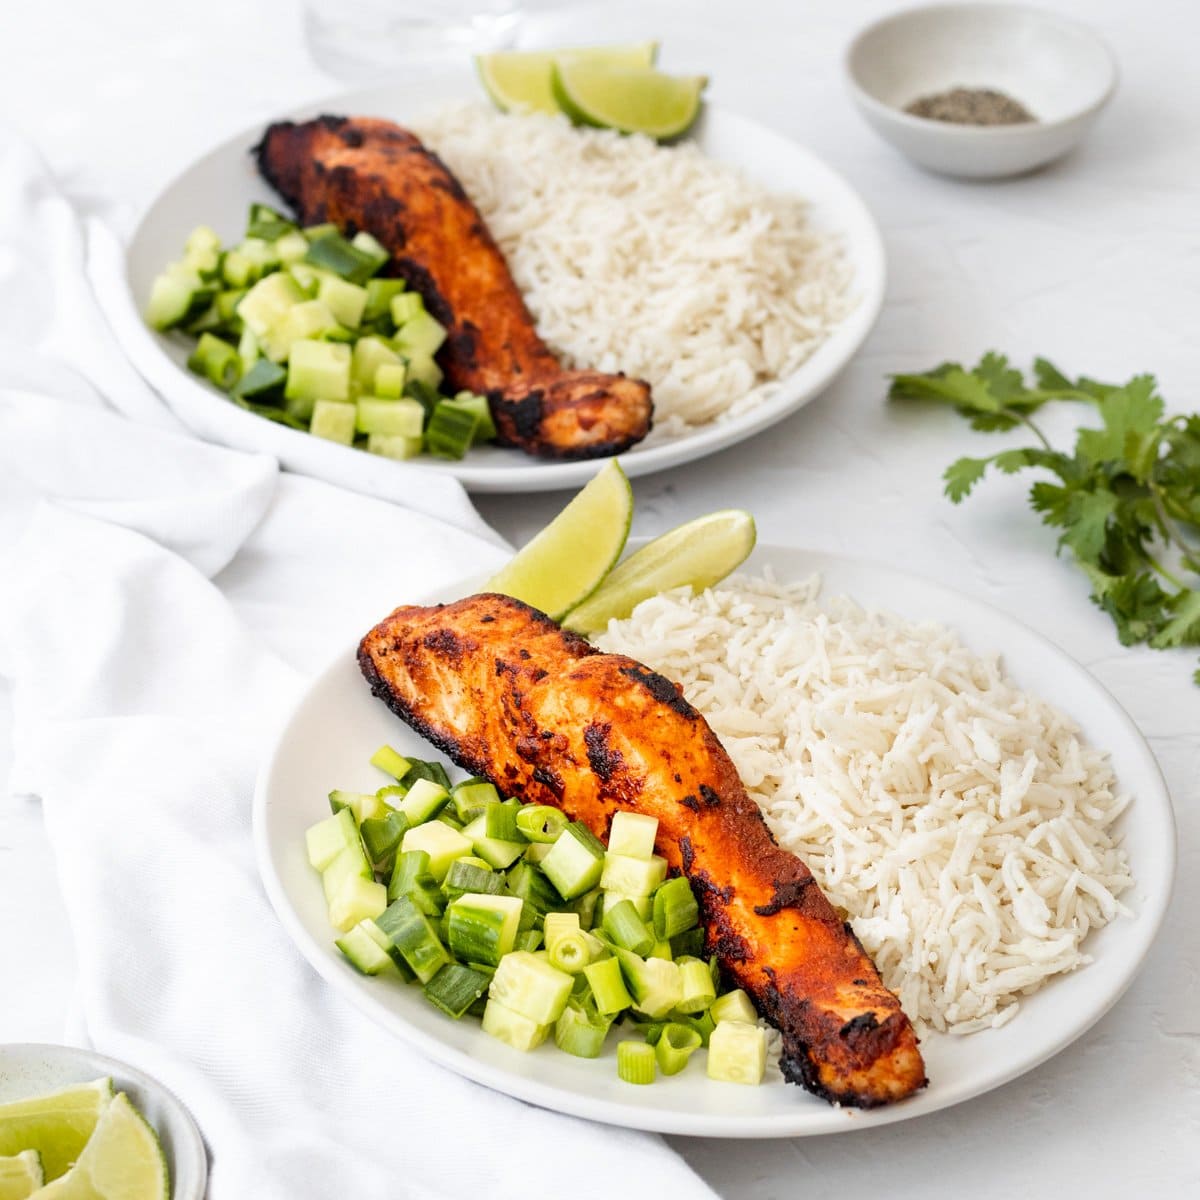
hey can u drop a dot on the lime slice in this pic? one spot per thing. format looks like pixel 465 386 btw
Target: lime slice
pixel 699 553
pixel 20 1175
pixel 520 80
pixel 631 99
pixel 56 1126
pixel 123 1160
pixel 565 563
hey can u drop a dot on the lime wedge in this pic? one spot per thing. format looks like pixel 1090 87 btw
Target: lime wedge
pixel 699 553
pixel 20 1175
pixel 520 80
pixel 123 1160
pixel 631 99
pixel 56 1126
pixel 565 563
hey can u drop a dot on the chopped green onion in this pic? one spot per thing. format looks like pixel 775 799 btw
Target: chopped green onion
pixel 391 761
pixel 702 1023
pixel 216 360
pixel 433 771
pixel 697 983
pixel 362 805
pixel 586 906
pixel 471 875
pixel 501 822
pixel 472 796
pixel 642 905
pixel 567 944
pixel 688 944
pixel 265 223
pixel 737 1052
pixel 528 882
pixel 262 378
pixel 675 1045
pixel 455 988
pixel 332 252
pixel 579 1032
pixel 379 297
pixel 608 986
pixel 635 1062
pixel 498 852
pixel 411 877
pixel 733 1006
pixel 675 908
pixel 440 842
pixel 627 929
pixel 410 931
pixel 528 939
pixel 366 244
pixel 654 982
pixel 541 823
pixel 661 950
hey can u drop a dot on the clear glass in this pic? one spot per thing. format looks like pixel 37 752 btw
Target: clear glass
pixel 364 39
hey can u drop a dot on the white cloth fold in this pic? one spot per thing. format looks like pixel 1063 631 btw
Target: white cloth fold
pixel 161 602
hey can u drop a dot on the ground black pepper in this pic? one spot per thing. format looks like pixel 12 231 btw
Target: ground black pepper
pixel 971 106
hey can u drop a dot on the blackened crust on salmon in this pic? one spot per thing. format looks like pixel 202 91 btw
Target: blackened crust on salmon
pixel 789 893
pixel 661 688
pixel 602 758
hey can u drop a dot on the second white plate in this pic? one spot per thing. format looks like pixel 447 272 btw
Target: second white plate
pixel 337 725
pixel 218 189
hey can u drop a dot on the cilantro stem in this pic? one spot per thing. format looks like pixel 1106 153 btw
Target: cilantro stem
pixel 1017 415
pixel 1171 534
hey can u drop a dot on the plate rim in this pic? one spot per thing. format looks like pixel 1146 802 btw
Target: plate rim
pixel 805 1121
pixel 145 349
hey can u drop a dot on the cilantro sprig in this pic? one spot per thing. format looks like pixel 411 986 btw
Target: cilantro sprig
pixel 1127 497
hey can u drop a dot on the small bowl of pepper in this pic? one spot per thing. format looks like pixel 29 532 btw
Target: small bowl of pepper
pixel 980 91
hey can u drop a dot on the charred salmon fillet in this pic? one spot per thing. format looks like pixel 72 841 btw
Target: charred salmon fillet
pixel 365 173
pixel 509 695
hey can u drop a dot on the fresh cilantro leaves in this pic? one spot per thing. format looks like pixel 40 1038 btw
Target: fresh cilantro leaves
pixel 1126 498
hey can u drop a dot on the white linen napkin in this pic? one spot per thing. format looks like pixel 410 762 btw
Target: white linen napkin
pixel 161 601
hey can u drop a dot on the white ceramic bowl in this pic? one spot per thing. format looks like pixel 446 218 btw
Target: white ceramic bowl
pixel 31 1069
pixel 1061 71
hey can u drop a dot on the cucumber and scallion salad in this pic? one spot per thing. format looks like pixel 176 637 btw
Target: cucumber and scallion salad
pixel 511 913
pixel 296 326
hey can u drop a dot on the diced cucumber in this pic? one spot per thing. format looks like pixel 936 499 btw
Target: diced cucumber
pixel 420 336
pixel 576 861
pixel 202 250
pixel 737 1052
pixel 407 307
pixel 675 908
pixel 626 929
pixel 632 835
pixel 380 293
pixel 381 837
pixel 370 246
pixel 654 983
pixel 643 905
pixel 371 353
pixel 346 301
pixel 174 295
pixel 366 949
pixel 251 355
pixel 316 371
pixel 326 839
pixel 696 982
pixel 451 430
pixel 497 853
pixel 510 1027
pixel 421 369
pixel 632 876
pixel 334 421
pixel 455 988
pixel 267 301
pixel 413 935
pixel 267 224
pixel 423 801
pixel 355 900
pixel 349 863
pixel 733 1006
pixel 411 878
pixel 483 927
pixel 485 426
pixel 528 985
pixel 390 379
pixel 394 445
pixel 308 278
pixel 308 320
pixel 441 843
pixel 471 874
pixel 388 759
pixel 312 232
pixel 291 247
pixel 396 418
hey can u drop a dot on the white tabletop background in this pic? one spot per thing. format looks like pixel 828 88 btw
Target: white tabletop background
pixel 1093 262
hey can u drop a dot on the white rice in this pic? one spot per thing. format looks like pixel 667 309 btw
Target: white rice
pixel 962 824
pixel 651 260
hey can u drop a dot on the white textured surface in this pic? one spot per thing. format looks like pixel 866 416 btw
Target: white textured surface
pixel 1092 262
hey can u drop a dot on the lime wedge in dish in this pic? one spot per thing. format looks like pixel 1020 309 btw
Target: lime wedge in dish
pixel 123 1160
pixel 20 1175
pixel 631 99
pixel 566 562
pixel 698 553
pixel 520 80
pixel 56 1126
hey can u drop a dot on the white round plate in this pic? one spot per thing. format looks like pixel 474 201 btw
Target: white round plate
pixel 218 189
pixel 30 1069
pixel 337 725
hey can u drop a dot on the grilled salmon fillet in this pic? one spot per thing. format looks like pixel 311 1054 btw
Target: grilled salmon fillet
pixel 366 173
pixel 509 695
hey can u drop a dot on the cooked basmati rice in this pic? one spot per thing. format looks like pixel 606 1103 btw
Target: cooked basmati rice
pixel 962 824
pixel 651 260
